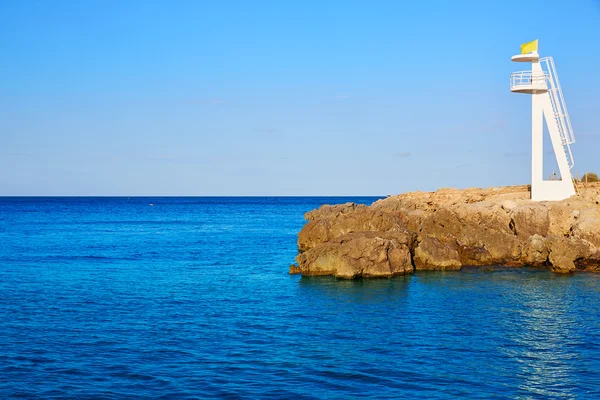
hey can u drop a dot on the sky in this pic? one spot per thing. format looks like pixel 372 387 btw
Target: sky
pixel 266 98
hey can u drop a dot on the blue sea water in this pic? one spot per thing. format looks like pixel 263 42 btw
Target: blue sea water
pixel 190 298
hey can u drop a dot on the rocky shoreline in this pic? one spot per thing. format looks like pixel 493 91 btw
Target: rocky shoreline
pixel 450 229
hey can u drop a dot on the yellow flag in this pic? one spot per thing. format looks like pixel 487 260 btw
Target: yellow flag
pixel 529 47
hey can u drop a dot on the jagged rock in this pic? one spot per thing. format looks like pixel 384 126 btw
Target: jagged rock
pixel 314 233
pixel 414 219
pixel 587 226
pixel 589 192
pixel 455 228
pixel 295 270
pixel 365 254
pixel 562 217
pixel 535 251
pixel 508 205
pixel 590 264
pixel 475 256
pixel 481 231
pixel 327 211
pixel 432 254
pixel 352 219
pixel 430 201
pixel 529 219
pixel 565 251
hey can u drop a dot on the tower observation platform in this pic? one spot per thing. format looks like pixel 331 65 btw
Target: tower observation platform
pixel 547 104
pixel 529 82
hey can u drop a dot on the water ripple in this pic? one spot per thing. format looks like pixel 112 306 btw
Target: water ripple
pixel 110 298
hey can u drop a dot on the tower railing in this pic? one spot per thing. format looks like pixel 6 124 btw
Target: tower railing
pixel 527 78
pixel 559 108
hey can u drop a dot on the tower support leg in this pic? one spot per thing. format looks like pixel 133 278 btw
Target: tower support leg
pixel 542 190
pixel 537 147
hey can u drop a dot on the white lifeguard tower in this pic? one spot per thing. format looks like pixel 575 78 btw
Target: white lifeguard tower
pixel 541 82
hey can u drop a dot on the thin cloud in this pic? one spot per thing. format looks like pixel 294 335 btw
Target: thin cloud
pixel 342 96
pixel 464 165
pixel 403 154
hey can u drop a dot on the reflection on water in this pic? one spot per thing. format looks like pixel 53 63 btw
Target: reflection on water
pixel 518 330
pixel 543 347
pixel 358 291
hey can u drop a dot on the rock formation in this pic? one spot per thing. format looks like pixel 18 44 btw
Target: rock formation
pixel 449 229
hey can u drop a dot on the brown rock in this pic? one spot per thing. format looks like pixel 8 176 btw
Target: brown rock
pixel 481 232
pixel 365 254
pixel 535 251
pixel 432 254
pixel 565 251
pixel 587 226
pixel 314 233
pixel 334 211
pixel 414 219
pixel 509 205
pixel 430 201
pixel 295 270
pixel 358 219
pixel 478 227
pixel 590 264
pixel 476 256
pixel 562 217
pixel 529 219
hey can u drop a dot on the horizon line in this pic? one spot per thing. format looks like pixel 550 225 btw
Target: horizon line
pixel 191 196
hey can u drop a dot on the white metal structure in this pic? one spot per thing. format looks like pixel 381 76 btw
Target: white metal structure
pixel 547 103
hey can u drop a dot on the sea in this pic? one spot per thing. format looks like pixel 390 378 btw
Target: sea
pixel 190 298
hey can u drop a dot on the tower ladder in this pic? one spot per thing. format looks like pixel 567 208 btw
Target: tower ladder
pixel 559 109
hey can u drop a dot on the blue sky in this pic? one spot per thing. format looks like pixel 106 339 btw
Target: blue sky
pixel 282 97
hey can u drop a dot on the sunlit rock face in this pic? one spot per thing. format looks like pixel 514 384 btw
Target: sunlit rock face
pixel 362 254
pixel 450 229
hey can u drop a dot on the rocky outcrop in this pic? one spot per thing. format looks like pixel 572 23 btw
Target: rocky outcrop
pixel 367 254
pixel 564 252
pixel 433 254
pixel 590 264
pixel 535 251
pixel 328 223
pixel 450 229
pixel 586 225
pixel 529 219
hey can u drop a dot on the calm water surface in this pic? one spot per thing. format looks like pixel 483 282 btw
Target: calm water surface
pixel 190 298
